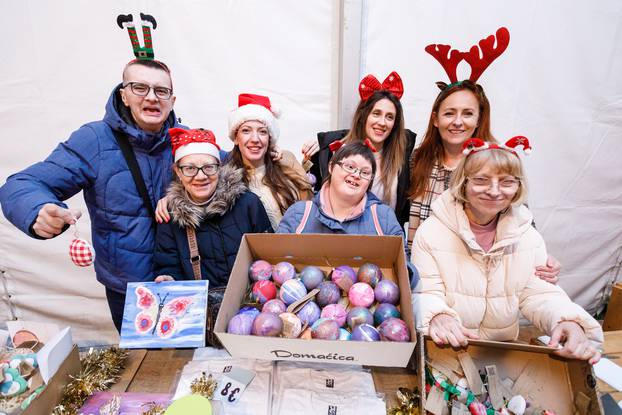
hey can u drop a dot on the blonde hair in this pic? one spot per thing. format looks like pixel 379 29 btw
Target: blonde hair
pixel 501 161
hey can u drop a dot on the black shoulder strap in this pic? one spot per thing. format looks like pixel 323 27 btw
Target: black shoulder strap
pixel 130 159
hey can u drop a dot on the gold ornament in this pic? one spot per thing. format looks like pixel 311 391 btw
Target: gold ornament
pixel 204 386
pixel 409 402
pixel 152 408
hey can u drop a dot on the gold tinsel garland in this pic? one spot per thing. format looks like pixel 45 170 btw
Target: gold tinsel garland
pixel 204 386
pixel 100 370
pixel 409 402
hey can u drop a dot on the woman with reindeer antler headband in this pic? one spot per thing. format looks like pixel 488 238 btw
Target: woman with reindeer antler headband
pixel 378 118
pixel 476 254
pixel 460 111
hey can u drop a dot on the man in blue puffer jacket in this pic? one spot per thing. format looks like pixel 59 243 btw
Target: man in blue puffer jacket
pixel 91 160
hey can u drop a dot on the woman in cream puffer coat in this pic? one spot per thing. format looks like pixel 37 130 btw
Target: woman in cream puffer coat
pixel 480 294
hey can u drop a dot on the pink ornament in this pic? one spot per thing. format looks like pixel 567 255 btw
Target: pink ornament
pixel 361 295
pixel 335 312
pixel 267 324
pixel 263 291
pixel 260 270
pixel 274 306
pixel 394 329
pixel 283 271
pixel 325 329
pixel 344 276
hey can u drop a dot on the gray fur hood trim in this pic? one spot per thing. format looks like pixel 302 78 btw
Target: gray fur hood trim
pixel 229 188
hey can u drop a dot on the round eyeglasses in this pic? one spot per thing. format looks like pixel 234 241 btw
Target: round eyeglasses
pixel 189 170
pixel 351 169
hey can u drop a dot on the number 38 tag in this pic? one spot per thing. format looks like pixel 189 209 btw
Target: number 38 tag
pixel 232 384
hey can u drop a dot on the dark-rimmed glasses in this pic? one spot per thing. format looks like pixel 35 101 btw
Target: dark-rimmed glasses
pixel 142 90
pixel 351 169
pixel 189 170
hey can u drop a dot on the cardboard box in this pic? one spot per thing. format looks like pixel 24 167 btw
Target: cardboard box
pixel 326 252
pixel 613 318
pixel 555 383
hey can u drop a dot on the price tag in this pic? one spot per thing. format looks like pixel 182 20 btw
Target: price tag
pixel 232 384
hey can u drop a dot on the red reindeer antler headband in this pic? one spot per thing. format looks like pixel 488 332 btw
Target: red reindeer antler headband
pixel 475 145
pixel 336 145
pixel 392 83
pixel 450 58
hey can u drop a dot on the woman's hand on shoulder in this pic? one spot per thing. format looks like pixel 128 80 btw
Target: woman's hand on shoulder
pixel 276 153
pixel 310 148
pixel 445 329
pixel 162 278
pixel 550 271
pixel 161 212
pixel 576 344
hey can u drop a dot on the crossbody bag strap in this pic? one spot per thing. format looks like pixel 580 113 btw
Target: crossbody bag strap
pixel 374 215
pixel 195 258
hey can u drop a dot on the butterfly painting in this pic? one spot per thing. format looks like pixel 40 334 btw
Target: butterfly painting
pixel 166 314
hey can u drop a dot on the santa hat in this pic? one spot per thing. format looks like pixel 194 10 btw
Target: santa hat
pixel 253 107
pixel 186 142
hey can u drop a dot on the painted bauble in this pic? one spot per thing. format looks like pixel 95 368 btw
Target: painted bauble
pixel 394 329
pixel 250 310
pixel 283 271
pixel 335 312
pixel 263 291
pixel 274 306
pixel 329 293
pixel 260 270
pixel 325 329
pixel 292 326
pixel 292 291
pixel 344 334
pixel 344 276
pixel 361 295
pixel 359 315
pixel 387 291
pixel 369 273
pixel 366 333
pixel 241 323
pixel 384 311
pixel 267 324
pixel 309 313
pixel 311 277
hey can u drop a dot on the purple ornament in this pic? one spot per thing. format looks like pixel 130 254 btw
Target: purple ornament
pixel 309 313
pixel 274 306
pixel 267 324
pixel 311 179
pixel 366 333
pixel 292 291
pixel 335 312
pixel 385 311
pixel 311 277
pixel 283 271
pixel 329 293
pixel 263 291
pixel 361 295
pixel 260 270
pixel 344 334
pixel 249 309
pixel 344 276
pixel 387 291
pixel 369 273
pixel 241 323
pixel 394 330
pixel 359 315
pixel 325 329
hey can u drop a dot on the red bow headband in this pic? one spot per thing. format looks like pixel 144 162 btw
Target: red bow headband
pixel 336 145
pixel 474 145
pixel 449 59
pixel 392 83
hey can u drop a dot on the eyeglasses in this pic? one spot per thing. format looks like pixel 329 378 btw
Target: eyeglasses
pixel 189 170
pixel 485 183
pixel 350 169
pixel 142 90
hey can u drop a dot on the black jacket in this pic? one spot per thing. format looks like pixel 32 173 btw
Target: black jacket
pixel 320 168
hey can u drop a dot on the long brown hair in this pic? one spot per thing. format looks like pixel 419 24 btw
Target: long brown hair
pixel 393 148
pixel 431 149
pixel 285 183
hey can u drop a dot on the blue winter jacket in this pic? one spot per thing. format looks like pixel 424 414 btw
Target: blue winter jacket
pixel 91 160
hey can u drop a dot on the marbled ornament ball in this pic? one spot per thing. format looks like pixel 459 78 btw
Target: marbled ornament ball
pixel 394 329
pixel 250 310
pixel 292 326
pixel 267 324
pixel 241 323
pixel 311 276
pixel 384 311
pixel 344 334
pixel 292 291
pixel 325 329
pixel 263 291
pixel 359 315
pixel 387 291
pixel 344 276
pixel 366 333
pixel 361 295
pixel 274 306
pixel 309 313
pixel 260 270
pixel 329 293
pixel 283 271
pixel 335 312
pixel 369 273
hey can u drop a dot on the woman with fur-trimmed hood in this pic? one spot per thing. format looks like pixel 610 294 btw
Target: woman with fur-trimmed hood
pixel 210 201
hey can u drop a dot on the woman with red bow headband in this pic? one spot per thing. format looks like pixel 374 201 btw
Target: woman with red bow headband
pixel 378 120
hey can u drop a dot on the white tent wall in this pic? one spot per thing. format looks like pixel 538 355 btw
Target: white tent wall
pixel 558 83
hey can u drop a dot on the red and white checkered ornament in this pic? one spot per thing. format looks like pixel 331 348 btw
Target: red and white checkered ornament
pixel 81 252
